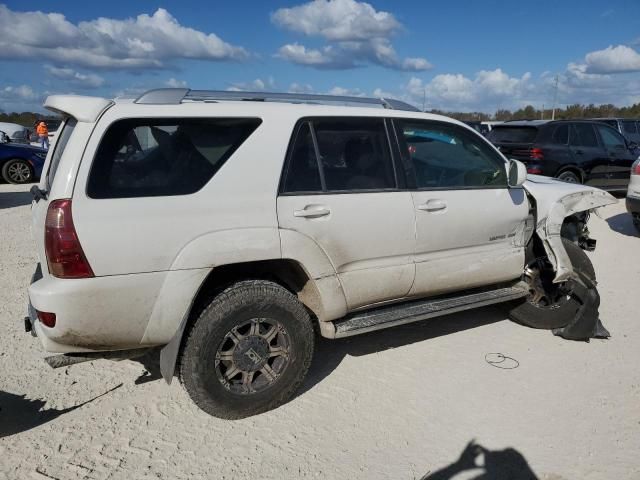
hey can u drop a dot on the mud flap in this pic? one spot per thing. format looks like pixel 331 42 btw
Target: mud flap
pixel 586 324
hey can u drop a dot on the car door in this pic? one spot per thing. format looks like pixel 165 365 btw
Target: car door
pixel 468 222
pixel 340 189
pixel 588 154
pixel 620 157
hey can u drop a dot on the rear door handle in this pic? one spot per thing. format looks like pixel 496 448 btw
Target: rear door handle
pixel 312 211
pixel 432 206
pixel 579 152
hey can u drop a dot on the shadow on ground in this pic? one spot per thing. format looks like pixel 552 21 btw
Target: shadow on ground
pixel 623 223
pixel 484 464
pixel 14 199
pixel 19 414
pixel 330 353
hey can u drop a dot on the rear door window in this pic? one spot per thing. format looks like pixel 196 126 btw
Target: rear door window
pixel 513 134
pixel 583 135
pixel 340 155
pixel 159 157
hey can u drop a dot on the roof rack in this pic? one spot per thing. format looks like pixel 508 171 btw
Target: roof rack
pixel 175 96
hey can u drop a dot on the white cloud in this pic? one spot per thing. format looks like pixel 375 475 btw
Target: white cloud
pixel 337 20
pixel 21 92
pixel 20 98
pixel 146 41
pixel 351 92
pixel 253 86
pixel 175 83
pixel 612 59
pixel 300 88
pixel 84 80
pixel 358 35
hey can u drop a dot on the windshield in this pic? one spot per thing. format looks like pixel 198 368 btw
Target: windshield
pixel 513 134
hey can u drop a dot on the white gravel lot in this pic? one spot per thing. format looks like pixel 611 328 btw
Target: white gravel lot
pixel 398 404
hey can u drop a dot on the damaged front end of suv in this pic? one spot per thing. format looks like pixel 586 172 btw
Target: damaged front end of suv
pixel 563 295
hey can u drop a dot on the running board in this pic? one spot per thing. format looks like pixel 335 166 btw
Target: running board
pixel 390 316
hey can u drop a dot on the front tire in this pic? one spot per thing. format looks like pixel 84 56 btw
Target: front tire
pixel 249 350
pixel 17 171
pixel 550 305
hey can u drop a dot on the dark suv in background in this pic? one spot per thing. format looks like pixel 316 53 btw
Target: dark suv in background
pixel 628 127
pixel 575 151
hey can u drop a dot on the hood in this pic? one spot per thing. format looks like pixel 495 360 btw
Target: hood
pixel 555 201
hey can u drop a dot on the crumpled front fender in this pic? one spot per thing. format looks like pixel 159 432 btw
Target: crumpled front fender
pixel 556 201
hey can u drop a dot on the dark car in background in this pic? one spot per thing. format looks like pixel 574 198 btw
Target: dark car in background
pixel 628 127
pixel 575 151
pixel 20 163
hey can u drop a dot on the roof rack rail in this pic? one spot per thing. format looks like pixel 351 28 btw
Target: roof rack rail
pixel 175 96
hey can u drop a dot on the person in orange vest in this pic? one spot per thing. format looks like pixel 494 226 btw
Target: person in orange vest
pixel 43 134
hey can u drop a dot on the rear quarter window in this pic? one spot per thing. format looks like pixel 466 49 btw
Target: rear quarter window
pixel 162 157
pixel 60 145
pixel 513 134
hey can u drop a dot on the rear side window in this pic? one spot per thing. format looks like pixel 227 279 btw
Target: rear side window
pixel 560 135
pixel 583 135
pixel 513 134
pixel 337 155
pixel 159 157
pixel 60 145
pixel 629 127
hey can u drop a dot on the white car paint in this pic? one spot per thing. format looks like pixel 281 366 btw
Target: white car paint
pixel 150 255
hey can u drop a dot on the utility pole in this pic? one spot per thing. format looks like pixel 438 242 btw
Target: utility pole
pixel 555 98
pixel 424 99
pixel 542 113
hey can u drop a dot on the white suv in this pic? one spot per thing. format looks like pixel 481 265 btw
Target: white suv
pixel 231 227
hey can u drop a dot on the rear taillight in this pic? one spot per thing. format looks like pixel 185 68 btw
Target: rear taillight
pixel 46 318
pixel 536 154
pixel 64 253
pixel 635 168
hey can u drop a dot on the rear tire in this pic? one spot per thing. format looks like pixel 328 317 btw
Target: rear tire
pixel 249 350
pixel 569 177
pixel 17 171
pixel 555 315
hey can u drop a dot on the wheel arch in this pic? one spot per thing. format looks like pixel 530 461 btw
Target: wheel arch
pixel 574 169
pixel 288 273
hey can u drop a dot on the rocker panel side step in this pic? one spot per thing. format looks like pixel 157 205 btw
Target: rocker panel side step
pixel 390 316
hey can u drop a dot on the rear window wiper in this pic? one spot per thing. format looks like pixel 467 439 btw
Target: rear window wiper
pixel 38 194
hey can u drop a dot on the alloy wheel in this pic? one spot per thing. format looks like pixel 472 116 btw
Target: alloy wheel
pixel 252 356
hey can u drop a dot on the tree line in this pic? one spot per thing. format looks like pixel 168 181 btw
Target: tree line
pixel 529 112
pixel 26 119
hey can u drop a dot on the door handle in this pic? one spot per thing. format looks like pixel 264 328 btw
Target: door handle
pixel 432 206
pixel 312 211
pixel 579 152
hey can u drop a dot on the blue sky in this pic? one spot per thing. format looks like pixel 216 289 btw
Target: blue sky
pixel 454 55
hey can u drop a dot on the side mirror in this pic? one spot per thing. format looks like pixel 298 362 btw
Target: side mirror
pixel 632 145
pixel 4 138
pixel 517 173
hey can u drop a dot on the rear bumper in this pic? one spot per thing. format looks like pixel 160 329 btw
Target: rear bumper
pixel 93 314
pixel 633 205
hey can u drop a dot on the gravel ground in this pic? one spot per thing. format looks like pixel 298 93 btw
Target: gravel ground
pixel 401 403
